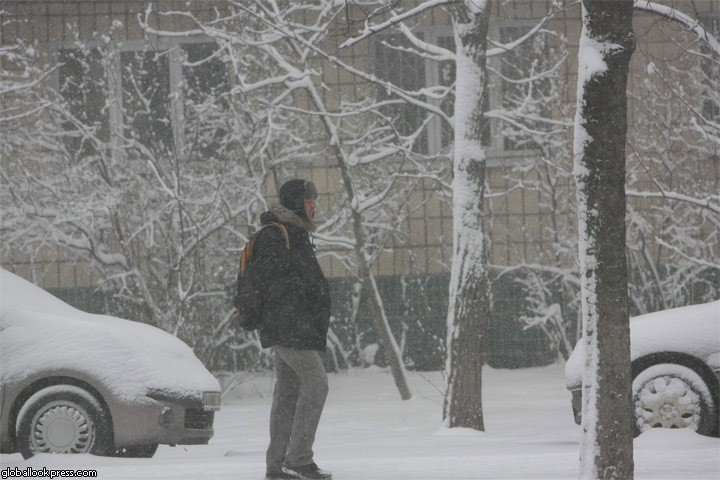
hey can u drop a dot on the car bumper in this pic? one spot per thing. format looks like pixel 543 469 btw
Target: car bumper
pixel 151 421
pixel 576 403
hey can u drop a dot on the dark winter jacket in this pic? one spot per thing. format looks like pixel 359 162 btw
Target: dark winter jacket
pixel 294 291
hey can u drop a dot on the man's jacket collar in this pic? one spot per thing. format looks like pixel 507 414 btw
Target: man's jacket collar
pixel 288 217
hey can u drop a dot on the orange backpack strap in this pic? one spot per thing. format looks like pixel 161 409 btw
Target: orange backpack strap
pixel 247 252
pixel 283 228
pixel 245 259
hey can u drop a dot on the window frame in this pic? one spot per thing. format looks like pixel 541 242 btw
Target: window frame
pixel 711 22
pixel 173 47
pixel 433 69
pixel 496 153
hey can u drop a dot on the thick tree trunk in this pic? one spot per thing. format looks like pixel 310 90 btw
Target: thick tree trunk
pixel 469 303
pixel 606 45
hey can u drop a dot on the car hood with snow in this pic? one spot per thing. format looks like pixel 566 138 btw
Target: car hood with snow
pixel 693 330
pixel 39 332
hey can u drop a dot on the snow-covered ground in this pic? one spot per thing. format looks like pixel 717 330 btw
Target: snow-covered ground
pixel 368 433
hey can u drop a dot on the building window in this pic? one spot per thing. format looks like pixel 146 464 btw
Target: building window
pixel 158 99
pixel 205 83
pixel 506 92
pixel 513 95
pixel 393 63
pixel 711 72
pixel 82 83
pixel 441 134
pixel 145 80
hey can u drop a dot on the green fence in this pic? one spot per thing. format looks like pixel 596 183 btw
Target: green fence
pixel 417 310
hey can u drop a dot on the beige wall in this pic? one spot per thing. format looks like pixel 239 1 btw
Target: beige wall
pixel 521 230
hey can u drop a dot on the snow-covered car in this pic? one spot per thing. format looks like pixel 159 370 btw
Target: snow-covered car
pixel 74 382
pixel 675 358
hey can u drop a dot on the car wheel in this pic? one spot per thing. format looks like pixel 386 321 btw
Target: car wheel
pixel 136 451
pixel 672 396
pixel 62 419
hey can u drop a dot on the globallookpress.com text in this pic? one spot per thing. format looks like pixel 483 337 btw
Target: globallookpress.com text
pixel 44 472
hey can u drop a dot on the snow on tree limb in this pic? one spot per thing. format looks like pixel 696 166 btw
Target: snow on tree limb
pixel 502 48
pixel 433 52
pixel 395 20
pixel 698 261
pixel 673 14
pixel 704 203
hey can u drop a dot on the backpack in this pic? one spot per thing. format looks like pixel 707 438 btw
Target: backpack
pixel 247 300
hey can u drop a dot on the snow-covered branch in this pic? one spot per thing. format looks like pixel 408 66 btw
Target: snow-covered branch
pixel 394 20
pixel 698 261
pixel 673 14
pixel 503 48
pixel 703 203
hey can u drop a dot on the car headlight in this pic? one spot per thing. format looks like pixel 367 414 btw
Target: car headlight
pixel 211 401
pixel 165 418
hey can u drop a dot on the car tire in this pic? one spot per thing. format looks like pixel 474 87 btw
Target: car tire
pixel 62 419
pixel 136 451
pixel 669 395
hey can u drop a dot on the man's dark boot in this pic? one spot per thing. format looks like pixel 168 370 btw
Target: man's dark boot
pixel 308 472
pixel 277 475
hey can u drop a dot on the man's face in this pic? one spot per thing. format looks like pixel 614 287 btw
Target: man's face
pixel 310 208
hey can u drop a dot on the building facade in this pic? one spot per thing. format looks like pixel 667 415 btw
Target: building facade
pixel 110 66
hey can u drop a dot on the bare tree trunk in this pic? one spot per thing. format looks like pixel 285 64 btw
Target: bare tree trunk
pixel 380 320
pixel 606 45
pixel 469 302
pixel 390 346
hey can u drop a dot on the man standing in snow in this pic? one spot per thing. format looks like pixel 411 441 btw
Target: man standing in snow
pixel 296 315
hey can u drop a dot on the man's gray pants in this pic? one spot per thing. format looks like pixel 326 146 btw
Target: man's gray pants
pixel 301 387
